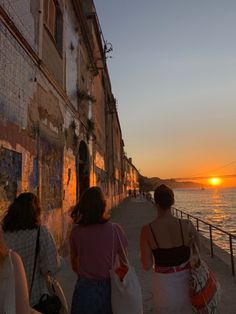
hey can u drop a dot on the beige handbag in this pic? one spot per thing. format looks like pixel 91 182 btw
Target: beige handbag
pixel 54 288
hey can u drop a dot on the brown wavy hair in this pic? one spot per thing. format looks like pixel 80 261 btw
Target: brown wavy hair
pixel 164 196
pixel 23 213
pixel 91 207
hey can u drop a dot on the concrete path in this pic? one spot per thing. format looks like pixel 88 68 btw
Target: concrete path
pixel 132 214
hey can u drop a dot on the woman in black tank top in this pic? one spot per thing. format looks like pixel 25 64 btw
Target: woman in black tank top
pixel 165 247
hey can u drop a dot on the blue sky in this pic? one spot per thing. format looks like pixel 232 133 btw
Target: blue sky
pixel 173 73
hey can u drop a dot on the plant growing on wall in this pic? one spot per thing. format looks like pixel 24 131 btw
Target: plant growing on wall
pixel 90 128
pixel 71 136
pixel 73 125
pixel 83 95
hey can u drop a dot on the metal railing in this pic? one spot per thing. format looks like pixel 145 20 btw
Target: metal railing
pixel 211 229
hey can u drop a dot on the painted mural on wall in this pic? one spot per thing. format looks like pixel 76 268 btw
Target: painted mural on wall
pixel 34 177
pixel 51 176
pixel 10 176
pixel 101 177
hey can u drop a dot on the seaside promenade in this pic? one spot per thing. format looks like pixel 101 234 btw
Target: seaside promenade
pixel 132 214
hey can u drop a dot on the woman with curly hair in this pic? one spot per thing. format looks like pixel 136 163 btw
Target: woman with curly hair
pixel 22 226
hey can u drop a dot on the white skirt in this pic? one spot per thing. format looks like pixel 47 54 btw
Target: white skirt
pixel 171 293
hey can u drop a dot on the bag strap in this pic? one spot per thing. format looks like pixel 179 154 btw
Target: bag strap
pixel 35 259
pixel 195 257
pixel 150 226
pixel 181 229
pixel 121 244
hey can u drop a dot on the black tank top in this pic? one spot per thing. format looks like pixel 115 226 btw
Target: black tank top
pixel 172 256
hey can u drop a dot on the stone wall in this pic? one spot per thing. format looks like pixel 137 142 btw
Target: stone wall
pixel 53 104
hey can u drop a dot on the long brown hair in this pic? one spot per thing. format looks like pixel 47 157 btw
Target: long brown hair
pixel 91 207
pixel 23 213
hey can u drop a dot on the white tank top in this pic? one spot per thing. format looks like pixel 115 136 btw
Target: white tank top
pixel 7 287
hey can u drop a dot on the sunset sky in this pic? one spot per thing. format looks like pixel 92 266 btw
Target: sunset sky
pixel 173 73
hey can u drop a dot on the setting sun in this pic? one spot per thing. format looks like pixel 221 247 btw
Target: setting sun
pixel 214 181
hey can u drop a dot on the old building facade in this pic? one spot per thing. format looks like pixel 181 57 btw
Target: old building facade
pixel 131 176
pixel 59 126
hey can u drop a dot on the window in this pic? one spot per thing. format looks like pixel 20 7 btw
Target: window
pixel 53 21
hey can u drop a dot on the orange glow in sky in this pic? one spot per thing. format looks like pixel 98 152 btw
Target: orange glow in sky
pixel 215 181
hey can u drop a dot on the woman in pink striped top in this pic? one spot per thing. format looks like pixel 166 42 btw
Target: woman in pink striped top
pixel 95 244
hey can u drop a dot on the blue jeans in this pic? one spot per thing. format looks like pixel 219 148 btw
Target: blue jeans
pixel 91 297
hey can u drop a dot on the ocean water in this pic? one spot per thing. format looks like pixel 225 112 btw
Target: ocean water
pixel 215 206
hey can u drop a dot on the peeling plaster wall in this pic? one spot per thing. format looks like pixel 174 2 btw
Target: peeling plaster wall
pixel 38 147
pixel 17 153
pixel 27 99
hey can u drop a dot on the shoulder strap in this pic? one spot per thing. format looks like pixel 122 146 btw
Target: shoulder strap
pixel 153 235
pixel 121 244
pixel 35 259
pixel 181 228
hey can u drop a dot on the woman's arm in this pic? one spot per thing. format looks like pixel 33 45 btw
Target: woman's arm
pixel 145 250
pixel 21 288
pixel 193 234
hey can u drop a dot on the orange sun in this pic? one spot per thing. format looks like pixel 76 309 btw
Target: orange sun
pixel 214 181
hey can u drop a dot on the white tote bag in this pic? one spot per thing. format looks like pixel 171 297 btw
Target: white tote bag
pixel 126 295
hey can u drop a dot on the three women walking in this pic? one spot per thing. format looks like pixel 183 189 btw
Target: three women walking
pixel 96 245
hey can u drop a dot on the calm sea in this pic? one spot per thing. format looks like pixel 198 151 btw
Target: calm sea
pixel 216 206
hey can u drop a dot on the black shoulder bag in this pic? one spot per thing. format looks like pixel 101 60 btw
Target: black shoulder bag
pixel 48 304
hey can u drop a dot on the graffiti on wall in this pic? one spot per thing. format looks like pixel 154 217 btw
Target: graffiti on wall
pixel 34 177
pixel 51 176
pixel 101 177
pixel 10 175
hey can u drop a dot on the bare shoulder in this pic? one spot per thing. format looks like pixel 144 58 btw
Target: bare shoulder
pixel 15 257
pixel 16 260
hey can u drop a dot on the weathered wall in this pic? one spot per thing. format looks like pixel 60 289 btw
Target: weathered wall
pixel 52 58
pixel 71 44
pixel 48 142
pixel 25 14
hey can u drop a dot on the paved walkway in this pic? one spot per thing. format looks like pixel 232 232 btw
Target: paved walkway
pixel 132 214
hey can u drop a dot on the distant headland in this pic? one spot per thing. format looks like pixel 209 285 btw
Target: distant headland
pixel 149 184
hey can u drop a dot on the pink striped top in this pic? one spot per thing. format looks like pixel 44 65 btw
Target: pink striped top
pixel 93 246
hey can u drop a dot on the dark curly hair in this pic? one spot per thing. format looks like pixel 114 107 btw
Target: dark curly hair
pixel 90 208
pixel 23 213
pixel 164 196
